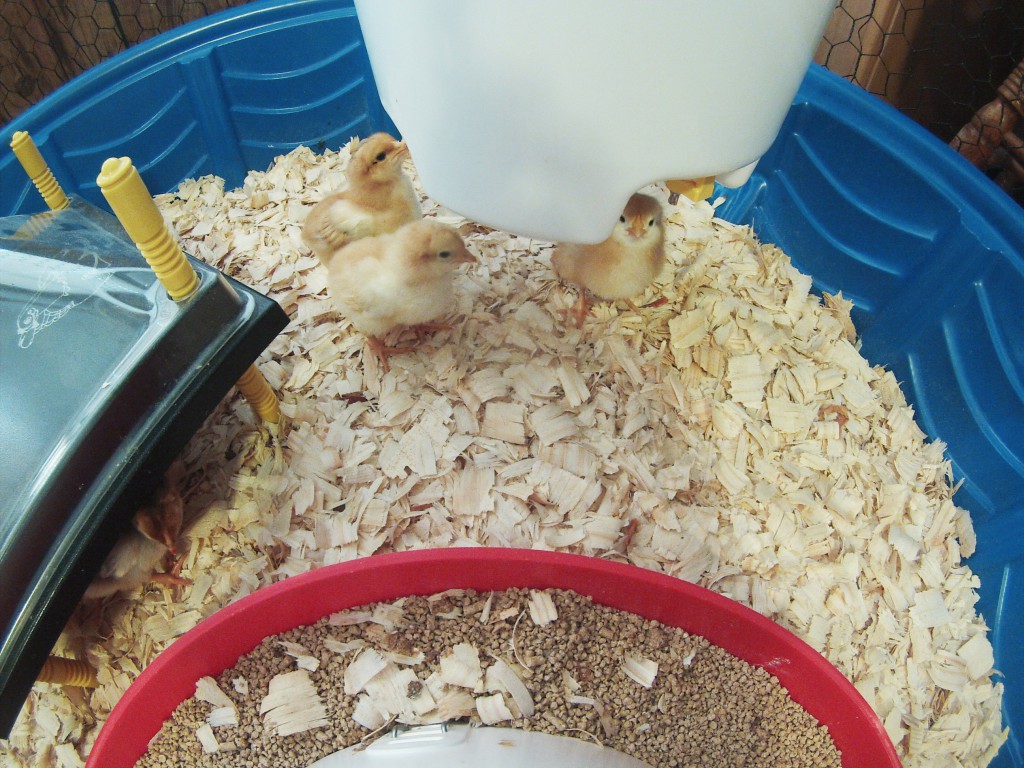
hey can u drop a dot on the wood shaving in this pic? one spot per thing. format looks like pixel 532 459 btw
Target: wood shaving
pixel 292 705
pixel 207 739
pixel 462 668
pixel 224 713
pixel 542 608
pixel 492 709
pixel 731 427
pixel 639 669
pixel 502 677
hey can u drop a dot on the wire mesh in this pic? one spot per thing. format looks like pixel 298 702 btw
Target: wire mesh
pixel 954 66
pixel 52 41
pixel 948 64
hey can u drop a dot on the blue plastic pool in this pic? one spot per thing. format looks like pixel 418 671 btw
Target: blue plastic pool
pixel 863 200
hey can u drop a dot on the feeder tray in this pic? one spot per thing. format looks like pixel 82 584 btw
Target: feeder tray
pixel 216 643
pixel 105 378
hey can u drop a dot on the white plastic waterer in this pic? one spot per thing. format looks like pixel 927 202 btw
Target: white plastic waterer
pixel 542 117
pixel 452 746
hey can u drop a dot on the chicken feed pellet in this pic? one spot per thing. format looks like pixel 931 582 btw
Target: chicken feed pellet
pixel 654 692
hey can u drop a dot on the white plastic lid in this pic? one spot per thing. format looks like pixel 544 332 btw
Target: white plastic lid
pixel 542 118
pixel 449 746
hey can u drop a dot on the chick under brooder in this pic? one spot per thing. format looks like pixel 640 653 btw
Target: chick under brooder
pixel 729 434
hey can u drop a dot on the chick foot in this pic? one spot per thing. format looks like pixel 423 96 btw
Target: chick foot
pixel 172 577
pixel 580 309
pixel 422 329
pixel 170 580
pixel 382 351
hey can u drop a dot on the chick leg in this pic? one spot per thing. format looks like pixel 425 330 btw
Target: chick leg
pixel 581 308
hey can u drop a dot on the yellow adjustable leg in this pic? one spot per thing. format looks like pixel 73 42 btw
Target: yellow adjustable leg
pixel 695 189
pixel 131 202
pixel 67 672
pixel 261 397
pixel 38 171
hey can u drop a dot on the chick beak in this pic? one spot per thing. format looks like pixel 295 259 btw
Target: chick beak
pixel 636 230
pixel 401 150
pixel 465 258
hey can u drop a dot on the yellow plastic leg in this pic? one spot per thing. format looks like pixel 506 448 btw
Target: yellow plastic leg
pixel 34 226
pixel 261 397
pixel 38 171
pixel 67 672
pixel 131 202
pixel 695 189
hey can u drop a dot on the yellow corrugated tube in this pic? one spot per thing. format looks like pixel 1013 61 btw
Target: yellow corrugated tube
pixel 38 171
pixel 72 672
pixel 261 397
pixel 695 189
pixel 131 202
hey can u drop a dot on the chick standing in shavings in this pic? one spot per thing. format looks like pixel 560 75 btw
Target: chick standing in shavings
pixel 405 278
pixel 621 266
pixel 379 198
pixel 152 537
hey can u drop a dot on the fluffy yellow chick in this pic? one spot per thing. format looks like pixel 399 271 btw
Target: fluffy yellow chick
pixel 379 198
pixel 621 266
pixel 404 278
pixel 139 551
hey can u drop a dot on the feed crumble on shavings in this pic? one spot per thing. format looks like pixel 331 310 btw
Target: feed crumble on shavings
pixel 665 697
pixel 800 486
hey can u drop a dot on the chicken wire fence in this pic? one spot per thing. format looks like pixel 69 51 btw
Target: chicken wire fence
pixel 954 66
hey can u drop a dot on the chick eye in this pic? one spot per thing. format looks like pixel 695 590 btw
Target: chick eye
pixel 444 254
pixel 650 223
pixel 380 157
pixel 622 219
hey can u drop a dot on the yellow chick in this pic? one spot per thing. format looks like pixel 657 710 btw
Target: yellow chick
pixel 404 278
pixel 379 198
pixel 139 551
pixel 621 266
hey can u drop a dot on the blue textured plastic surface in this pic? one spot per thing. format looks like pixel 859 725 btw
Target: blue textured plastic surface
pixel 932 255
pixel 864 200
pixel 222 95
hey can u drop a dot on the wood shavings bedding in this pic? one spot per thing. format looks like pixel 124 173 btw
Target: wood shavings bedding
pixel 729 434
